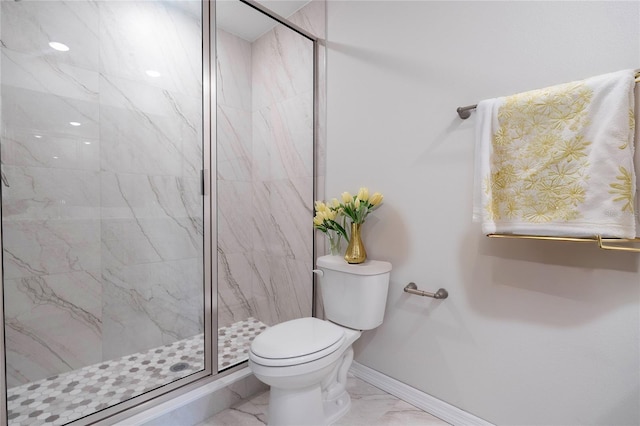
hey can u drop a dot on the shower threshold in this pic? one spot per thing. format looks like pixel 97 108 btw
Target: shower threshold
pixel 69 396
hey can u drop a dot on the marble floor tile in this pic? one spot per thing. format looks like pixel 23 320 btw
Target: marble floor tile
pixel 370 406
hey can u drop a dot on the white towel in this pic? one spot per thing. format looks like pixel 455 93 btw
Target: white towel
pixel 558 161
pixel 635 121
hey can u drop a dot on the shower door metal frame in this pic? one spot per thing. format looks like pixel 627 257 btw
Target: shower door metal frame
pixel 3 358
pixel 316 109
pixel 182 386
pixel 210 373
pixel 210 184
pixel 166 392
pixel 169 391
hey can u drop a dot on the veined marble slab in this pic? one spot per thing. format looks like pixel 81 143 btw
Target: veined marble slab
pixel 283 139
pixel 234 144
pixel 282 65
pixel 234 68
pixel 44 193
pixel 143 129
pixel 161 36
pixel 147 304
pixel 29 27
pixel 53 324
pixel 236 273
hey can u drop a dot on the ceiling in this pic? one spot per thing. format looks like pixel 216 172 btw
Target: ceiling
pixel 249 24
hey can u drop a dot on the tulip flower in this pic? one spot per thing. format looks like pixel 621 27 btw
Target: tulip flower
pixel 347 198
pixel 376 199
pixel 363 194
pixel 321 207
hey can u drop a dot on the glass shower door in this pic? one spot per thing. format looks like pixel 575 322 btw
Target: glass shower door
pixel 102 208
pixel 265 173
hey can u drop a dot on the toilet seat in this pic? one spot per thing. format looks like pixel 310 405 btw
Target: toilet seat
pixel 296 342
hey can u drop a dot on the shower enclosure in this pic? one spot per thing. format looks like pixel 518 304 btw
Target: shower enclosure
pixel 157 166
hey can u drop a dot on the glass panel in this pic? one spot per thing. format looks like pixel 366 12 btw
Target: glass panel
pixel 102 212
pixel 264 175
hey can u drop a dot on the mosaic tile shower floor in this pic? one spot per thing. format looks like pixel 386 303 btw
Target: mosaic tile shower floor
pixel 60 399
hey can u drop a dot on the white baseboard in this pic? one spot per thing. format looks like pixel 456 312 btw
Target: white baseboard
pixel 434 406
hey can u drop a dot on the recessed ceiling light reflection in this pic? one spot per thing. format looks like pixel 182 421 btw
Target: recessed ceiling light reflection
pixel 87 143
pixel 61 47
pixel 75 123
pixel 153 73
pixel 37 136
pixel 55 157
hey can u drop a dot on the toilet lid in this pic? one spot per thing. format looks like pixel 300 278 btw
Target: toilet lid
pixel 297 341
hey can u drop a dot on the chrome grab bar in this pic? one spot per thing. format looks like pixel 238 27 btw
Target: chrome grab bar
pixel 412 288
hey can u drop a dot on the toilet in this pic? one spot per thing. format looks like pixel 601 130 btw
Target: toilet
pixel 306 360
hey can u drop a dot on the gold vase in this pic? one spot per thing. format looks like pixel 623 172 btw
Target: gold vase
pixel 355 251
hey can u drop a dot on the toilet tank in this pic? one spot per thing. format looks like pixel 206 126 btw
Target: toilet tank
pixel 354 296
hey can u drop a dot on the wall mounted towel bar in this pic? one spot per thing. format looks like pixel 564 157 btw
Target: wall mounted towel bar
pixel 465 112
pixel 596 238
pixel 412 288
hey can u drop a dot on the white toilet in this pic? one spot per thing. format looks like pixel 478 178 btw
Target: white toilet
pixel 305 361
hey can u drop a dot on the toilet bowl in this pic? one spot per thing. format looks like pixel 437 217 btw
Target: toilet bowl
pixel 306 369
pixel 306 360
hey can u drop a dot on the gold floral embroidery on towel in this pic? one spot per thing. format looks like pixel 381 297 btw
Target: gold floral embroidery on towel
pixel 624 189
pixel 540 155
pixel 632 127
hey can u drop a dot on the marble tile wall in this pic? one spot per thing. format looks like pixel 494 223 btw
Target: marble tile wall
pixel 51 200
pixel 312 18
pixel 265 172
pixel 102 222
pixel 235 164
pixel 283 128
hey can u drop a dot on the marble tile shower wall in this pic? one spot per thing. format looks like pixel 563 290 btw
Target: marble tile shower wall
pixel 102 221
pixel 265 173
pixel 234 175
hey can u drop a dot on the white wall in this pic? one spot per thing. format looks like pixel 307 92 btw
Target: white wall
pixel 533 332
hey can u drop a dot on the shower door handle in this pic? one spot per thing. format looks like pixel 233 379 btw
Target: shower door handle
pixel 204 175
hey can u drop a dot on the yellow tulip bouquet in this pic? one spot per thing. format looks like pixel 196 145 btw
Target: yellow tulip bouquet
pixel 330 218
pixel 326 221
pixel 358 207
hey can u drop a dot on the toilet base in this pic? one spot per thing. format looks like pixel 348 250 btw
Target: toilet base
pixel 319 405
pixel 336 408
pixel 298 407
pixel 306 407
pixel 337 401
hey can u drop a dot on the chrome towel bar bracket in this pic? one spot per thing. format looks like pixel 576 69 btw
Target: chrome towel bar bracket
pixel 465 112
pixel 412 288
